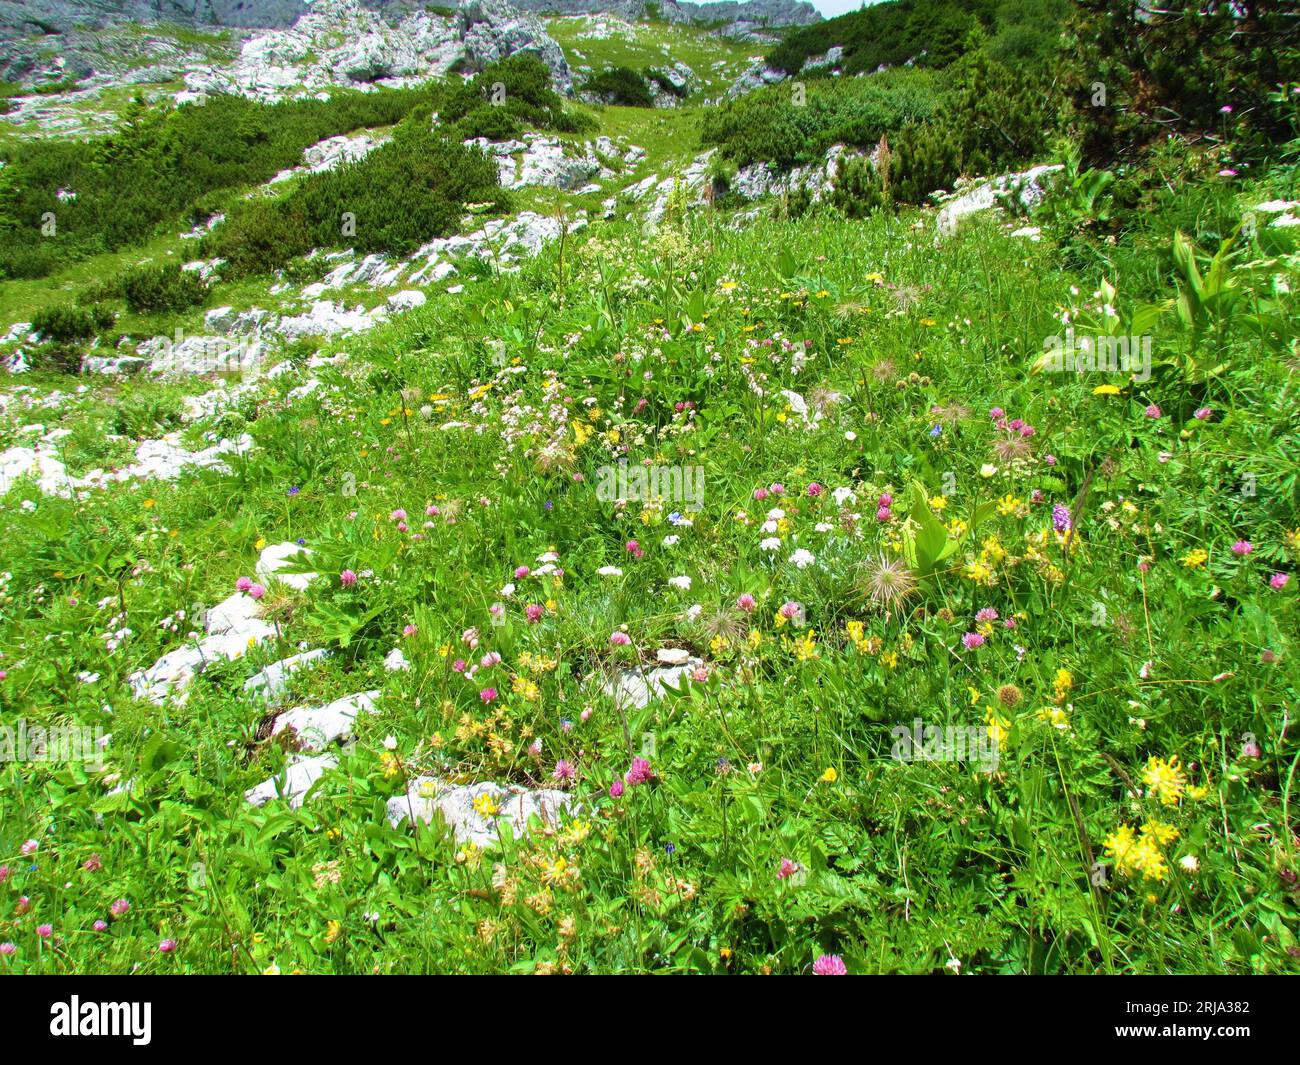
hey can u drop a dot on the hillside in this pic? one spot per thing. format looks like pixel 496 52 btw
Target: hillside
pixel 529 489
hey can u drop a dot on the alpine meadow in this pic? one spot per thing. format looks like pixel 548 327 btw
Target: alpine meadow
pixel 613 487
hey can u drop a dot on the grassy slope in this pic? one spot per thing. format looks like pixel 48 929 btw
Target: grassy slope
pixel 902 866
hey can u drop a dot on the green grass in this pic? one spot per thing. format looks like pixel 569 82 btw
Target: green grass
pixel 1134 670
pixel 899 866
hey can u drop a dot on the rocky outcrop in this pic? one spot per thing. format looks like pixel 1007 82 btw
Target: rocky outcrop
pixel 756 12
pixel 343 43
pixel 762 179
pixel 1023 191
pixel 755 76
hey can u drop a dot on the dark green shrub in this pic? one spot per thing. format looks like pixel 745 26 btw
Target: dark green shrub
pixel 162 165
pixel 1171 70
pixel 931 32
pixel 60 356
pixel 859 189
pixel 494 123
pixel 619 85
pixel 925 158
pixel 770 126
pixel 162 288
pixel 398 197
pixel 67 321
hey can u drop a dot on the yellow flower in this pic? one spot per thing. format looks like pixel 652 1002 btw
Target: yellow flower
pixel 1055 717
pixel 999 726
pixel 938 502
pixel 1160 832
pixel 890 659
pixel 1063 682
pixel 1140 853
pixel 485 807
pixel 1194 558
pixel 332 930
pixel 830 776
pixel 805 647
pixel 1007 505
pixel 261 543
pixel 1165 779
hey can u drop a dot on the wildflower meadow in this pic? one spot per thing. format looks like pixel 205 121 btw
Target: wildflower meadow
pixel 829 581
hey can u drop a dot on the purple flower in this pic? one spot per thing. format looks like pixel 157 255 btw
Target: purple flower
pixel 347 578
pixel 1278 581
pixel 830 965
pixel 1242 547
pixel 640 771
pixel 1061 520
pixel 972 640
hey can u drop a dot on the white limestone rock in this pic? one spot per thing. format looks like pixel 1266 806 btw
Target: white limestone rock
pixel 317 727
pixel 270 683
pixel 276 558
pixel 428 796
pixel 294 782
pixel 1026 189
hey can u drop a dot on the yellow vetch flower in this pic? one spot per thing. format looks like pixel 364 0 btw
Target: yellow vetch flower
pixel 1166 779
pixel 485 807
pixel 805 647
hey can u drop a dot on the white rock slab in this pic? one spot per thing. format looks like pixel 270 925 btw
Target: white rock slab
pixel 298 778
pixel 271 682
pixel 318 727
pixel 275 558
pixel 428 796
